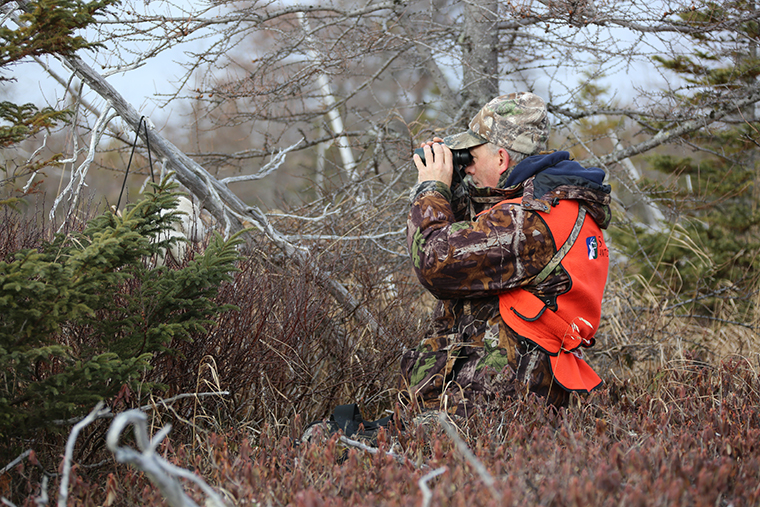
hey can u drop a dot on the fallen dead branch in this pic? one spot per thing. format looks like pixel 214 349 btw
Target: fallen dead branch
pixel 162 473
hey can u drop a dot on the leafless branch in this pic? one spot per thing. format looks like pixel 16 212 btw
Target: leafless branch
pixel 373 450
pixel 21 457
pixel 364 237
pixel 162 473
pixel 96 412
pixel 319 218
pixel 752 96
pixel 80 174
pixel 150 406
pixel 465 451
pixel 265 171
pixel 427 495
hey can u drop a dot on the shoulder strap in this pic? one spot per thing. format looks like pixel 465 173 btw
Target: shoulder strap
pixel 562 251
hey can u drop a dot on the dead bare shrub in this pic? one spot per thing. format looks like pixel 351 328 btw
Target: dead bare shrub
pixel 290 350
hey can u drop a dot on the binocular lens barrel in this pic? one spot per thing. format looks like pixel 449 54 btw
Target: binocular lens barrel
pixel 461 158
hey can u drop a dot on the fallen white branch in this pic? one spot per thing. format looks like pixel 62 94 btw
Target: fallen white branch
pixel 373 450
pixel 162 473
pixel 16 461
pixel 40 500
pixel 43 498
pixel 63 493
pixel 427 494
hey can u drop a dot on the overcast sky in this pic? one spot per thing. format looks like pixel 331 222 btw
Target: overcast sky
pixel 143 86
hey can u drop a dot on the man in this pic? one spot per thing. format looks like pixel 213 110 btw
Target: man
pixel 515 257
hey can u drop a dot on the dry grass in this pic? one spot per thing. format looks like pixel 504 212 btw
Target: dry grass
pixel 642 330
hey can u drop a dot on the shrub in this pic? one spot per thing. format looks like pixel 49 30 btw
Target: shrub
pixel 83 315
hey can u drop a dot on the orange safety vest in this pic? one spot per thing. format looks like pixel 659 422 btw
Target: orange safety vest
pixel 583 254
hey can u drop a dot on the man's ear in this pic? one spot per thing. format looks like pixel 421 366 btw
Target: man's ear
pixel 503 160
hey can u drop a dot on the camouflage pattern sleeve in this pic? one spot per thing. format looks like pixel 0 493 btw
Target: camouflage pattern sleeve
pixel 503 248
pixel 430 186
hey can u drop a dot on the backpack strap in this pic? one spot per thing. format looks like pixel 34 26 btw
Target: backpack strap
pixel 562 251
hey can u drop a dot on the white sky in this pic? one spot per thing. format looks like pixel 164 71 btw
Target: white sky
pixel 143 86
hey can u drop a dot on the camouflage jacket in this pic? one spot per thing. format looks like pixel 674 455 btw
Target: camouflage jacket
pixel 466 253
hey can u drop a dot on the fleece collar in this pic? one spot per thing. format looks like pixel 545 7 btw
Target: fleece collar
pixel 555 166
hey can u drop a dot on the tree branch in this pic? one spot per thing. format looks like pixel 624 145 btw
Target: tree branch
pixel 162 473
pixel 224 205
pixel 427 495
pixel 68 456
pixel 668 135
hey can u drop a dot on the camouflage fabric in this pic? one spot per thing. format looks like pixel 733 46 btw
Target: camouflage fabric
pixel 517 121
pixel 470 355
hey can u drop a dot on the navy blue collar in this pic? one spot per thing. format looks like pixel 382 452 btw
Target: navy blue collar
pixel 553 164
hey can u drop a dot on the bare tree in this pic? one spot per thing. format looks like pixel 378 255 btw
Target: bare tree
pixel 351 88
pixel 390 64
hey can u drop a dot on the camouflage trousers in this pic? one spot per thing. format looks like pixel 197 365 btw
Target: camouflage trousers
pixel 442 374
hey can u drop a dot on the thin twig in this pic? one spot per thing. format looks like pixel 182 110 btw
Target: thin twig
pixel 16 461
pixel 330 237
pixel 374 450
pixel 269 168
pixel 427 495
pixel 324 215
pixel 485 476
pixel 149 406
pixel 81 172
pixel 64 489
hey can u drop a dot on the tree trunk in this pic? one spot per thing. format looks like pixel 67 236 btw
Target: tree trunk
pixel 479 41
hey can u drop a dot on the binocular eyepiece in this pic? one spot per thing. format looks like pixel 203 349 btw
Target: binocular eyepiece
pixel 460 158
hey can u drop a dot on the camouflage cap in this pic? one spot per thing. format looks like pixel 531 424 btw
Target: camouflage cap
pixel 517 121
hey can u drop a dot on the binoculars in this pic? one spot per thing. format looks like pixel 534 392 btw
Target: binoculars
pixel 460 158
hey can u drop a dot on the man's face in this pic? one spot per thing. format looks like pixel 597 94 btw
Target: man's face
pixel 487 165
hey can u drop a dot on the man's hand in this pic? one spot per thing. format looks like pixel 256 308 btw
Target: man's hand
pixel 439 162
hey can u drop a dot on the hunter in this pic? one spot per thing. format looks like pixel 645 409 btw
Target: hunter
pixel 516 258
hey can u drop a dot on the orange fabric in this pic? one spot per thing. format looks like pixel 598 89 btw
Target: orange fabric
pixel 560 333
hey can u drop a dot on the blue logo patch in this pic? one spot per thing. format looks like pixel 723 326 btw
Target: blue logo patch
pixel 593 247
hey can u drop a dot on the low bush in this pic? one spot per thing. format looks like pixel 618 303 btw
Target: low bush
pixel 675 422
pixel 83 315
pixel 684 435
